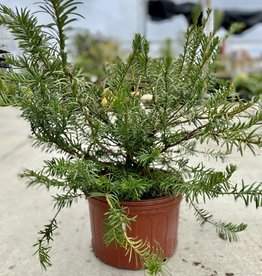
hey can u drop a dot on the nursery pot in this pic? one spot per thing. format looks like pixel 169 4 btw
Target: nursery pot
pixel 156 220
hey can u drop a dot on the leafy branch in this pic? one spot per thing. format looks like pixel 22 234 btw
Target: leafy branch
pixel 43 244
pixel 61 12
pixel 227 230
pixel 116 230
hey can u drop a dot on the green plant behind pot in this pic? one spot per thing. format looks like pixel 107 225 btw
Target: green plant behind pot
pixel 111 145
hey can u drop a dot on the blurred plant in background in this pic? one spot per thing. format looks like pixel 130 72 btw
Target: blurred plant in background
pixel 92 53
pixel 248 86
pixel 3 63
pixel 241 73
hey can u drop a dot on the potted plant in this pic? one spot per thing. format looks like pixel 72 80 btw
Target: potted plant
pixel 118 152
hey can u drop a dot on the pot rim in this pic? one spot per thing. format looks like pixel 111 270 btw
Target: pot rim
pixel 143 202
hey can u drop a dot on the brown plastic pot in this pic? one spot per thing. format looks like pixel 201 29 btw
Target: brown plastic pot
pixel 156 220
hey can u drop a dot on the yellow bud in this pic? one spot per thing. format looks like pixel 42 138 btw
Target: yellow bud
pixel 135 93
pixel 104 101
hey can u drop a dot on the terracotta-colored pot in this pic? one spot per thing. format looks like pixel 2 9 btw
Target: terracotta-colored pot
pixel 157 220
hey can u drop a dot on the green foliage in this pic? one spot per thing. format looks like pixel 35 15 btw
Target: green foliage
pixel 113 145
pixel 7 98
pixel 42 245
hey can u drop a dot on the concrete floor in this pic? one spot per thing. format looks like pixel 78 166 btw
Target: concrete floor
pixel 23 212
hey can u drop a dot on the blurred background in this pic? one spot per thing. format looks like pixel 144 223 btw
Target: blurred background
pixel 107 30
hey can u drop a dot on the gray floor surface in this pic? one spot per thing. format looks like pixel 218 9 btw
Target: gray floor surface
pixel 24 211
